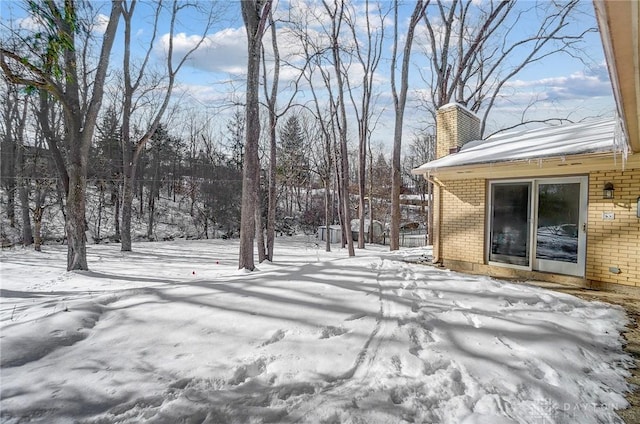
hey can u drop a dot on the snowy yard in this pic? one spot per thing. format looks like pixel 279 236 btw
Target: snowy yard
pixel 173 332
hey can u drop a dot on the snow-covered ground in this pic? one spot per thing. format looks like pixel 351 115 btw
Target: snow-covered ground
pixel 173 333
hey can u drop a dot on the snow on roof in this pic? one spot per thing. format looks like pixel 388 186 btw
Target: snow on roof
pixel 591 137
pixel 460 105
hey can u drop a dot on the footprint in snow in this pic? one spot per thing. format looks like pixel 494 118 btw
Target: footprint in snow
pixel 246 371
pixel 295 389
pixel 419 338
pixel 409 285
pixel 472 319
pixel 331 331
pixel 542 371
pixel 276 337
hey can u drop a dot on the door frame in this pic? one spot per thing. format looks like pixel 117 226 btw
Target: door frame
pixel 534 264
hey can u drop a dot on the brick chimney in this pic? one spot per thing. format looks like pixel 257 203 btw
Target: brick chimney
pixel 455 126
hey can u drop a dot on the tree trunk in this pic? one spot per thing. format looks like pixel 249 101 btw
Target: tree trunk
pixel 38 212
pixel 260 241
pixel 343 174
pixel 115 199
pixel 154 192
pixel 271 210
pixel 23 194
pixel 27 233
pixel 251 163
pixel 328 208
pixel 273 122
pixel 100 209
pixel 8 160
pixel 371 235
pixel 254 14
pixel 75 223
pixel 396 183
pixel 362 169
pixel 9 166
pixel 127 206
pixel 400 100
pixel 140 182
pixel 151 209
pixel 37 237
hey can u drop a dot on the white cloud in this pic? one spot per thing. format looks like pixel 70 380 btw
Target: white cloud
pixel 203 94
pixel 578 85
pixel 30 23
pixel 224 51
pixel 100 24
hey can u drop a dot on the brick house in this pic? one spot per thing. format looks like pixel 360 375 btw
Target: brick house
pixel 554 204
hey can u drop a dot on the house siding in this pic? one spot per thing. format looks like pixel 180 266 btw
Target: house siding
pixel 462 224
pixel 610 243
pixel 614 243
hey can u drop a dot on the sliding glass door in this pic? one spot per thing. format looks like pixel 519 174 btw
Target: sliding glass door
pixel 539 224
pixel 510 217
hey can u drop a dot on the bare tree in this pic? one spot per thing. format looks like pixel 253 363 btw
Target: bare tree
pixel 255 14
pixel 368 54
pixel 422 150
pixel 325 78
pixel 399 102
pixel 108 158
pixel 337 12
pixel 55 66
pixel 324 166
pixel 271 98
pixel 22 173
pixel 136 89
pixel 475 50
pixel 43 187
pixel 324 156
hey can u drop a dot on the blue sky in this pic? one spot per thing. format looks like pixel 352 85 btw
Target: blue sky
pixel 212 80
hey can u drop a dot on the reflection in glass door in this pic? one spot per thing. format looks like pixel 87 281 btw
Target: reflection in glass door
pixel 560 239
pixel 510 212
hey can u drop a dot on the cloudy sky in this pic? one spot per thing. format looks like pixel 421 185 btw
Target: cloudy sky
pixel 212 80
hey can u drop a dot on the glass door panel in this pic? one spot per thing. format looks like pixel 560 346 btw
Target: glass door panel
pixel 510 217
pixel 560 239
pixel 558 219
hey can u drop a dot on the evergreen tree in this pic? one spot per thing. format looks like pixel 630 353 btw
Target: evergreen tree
pixel 235 139
pixel 293 162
